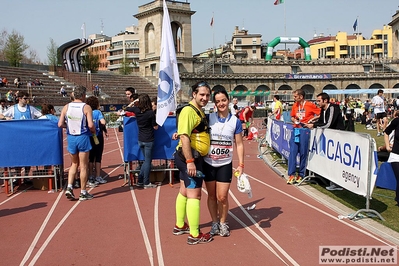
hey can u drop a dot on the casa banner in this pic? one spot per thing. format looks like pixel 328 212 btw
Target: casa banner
pixel 345 158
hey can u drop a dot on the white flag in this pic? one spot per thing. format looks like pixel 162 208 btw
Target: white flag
pixel 169 80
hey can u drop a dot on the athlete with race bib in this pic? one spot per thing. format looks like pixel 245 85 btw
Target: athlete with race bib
pixel 226 130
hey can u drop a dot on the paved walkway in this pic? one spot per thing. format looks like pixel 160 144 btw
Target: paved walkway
pixel 126 226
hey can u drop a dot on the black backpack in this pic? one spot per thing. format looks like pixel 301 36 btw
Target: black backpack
pixel 203 125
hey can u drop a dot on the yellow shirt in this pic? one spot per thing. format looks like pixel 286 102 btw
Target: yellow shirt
pixel 188 121
pixel 278 105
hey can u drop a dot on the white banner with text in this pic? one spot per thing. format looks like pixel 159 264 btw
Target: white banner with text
pixel 345 158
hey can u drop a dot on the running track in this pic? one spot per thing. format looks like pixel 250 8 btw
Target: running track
pixel 125 226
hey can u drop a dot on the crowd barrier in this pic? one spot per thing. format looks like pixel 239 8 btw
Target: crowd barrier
pixel 348 159
pixel 386 177
pixel 36 143
pixel 163 149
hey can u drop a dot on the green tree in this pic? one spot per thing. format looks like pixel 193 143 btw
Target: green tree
pixel 90 61
pixel 126 68
pixel 14 48
pixel 52 53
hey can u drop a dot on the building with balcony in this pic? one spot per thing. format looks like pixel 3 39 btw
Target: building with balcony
pixel 124 50
pixel 379 46
pixel 246 45
pixel 243 45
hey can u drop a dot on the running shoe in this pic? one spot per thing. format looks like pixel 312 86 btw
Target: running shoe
pixel 69 194
pixel 141 185
pixel 200 239
pixel 76 183
pixel 215 229
pixel 185 229
pixel 150 186
pixel 224 229
pixel 85 196
pixel 91 184
pixel 334 187
pixel 298 179
pixel 291 180
pixel 101 180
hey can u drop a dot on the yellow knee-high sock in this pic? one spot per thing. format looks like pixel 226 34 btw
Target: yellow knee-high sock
pixel 193 216
pixel 181 203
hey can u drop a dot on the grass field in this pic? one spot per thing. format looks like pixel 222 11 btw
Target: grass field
pixel 383 200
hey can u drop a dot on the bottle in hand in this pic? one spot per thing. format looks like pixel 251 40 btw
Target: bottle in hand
pixel 96 141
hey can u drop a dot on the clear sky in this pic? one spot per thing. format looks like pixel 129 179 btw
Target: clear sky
pixel 61 20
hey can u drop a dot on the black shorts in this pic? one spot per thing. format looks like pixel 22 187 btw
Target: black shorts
pixel 96 152
pixel 189 181
pixel 222 173
pixel 380 115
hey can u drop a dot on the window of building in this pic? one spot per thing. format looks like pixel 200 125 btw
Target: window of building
pixel 238 41
pixel 254 41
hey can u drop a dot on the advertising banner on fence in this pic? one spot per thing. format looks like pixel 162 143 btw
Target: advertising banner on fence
pixel 280 134
pixel 344 158
pixel 164 146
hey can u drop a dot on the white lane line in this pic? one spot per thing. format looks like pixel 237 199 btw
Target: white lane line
pixel 50 237
pixel 268 237
pixel 13 196
pixel 261 240
pixel 323 212
pixel 156 227
pixel 255 235
pixel 55 230
pixel 142 227
pixel 39 233
pixel 140 218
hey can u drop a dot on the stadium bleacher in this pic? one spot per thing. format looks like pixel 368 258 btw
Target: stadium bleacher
pixel 112 85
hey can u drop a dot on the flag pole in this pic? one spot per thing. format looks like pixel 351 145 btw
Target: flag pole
pixel 169 80
pixel 285 22
pixel 83 28
pixel 213 44
pixel 285 32
pixel 358 44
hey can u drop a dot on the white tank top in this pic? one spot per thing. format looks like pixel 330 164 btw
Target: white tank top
pixel 76 119
pixel 222 140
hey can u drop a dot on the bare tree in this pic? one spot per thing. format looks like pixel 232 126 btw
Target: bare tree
pixel 14 48
pixel 3 37
pixel 32 57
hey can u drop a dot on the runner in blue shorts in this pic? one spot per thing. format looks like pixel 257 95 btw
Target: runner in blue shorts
pixel 77 118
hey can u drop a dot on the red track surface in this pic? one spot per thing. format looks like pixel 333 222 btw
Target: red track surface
pixel 122 226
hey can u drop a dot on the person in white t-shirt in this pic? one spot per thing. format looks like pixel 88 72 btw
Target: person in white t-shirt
pixel 234 107
pixel 379 111
pixel 225 134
